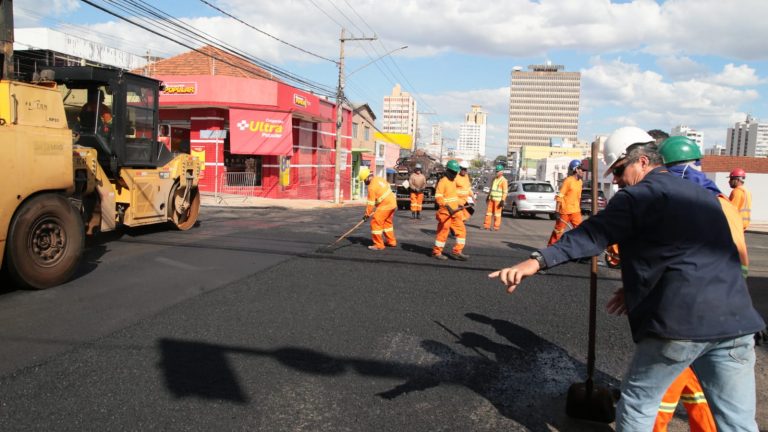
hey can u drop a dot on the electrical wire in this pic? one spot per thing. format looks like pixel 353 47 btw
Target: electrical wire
pixel 187 36
pixel 267 34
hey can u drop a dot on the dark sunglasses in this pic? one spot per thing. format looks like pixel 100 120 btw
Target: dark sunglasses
pixel 618 171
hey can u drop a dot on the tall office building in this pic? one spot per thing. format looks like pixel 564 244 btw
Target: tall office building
pixel 682 130
pixel 471 143
pixel 399 114
pixel 543 107
pixel 748 138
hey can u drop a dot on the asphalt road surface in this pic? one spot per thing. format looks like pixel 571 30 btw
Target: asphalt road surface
pixel 247 322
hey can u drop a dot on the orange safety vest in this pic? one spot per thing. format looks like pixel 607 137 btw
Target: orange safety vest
pixel 499 189
pixel 463 187
pixel 742 199
pixel 380 194
pixel 447 195
pixel 569 196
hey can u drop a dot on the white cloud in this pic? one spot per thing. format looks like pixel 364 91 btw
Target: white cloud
pixel 737 76
pixel 680 67
pixel 645 99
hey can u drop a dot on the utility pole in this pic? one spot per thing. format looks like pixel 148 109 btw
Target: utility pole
pixel 6 33
pixel 339 117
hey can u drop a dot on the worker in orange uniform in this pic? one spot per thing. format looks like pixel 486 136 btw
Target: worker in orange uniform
pixel 450 214
pixel 95 116
pixel 464 187
pixel 416 183
pixel 740 196
pixel 380 208
pixel 495 200
pixel 568 202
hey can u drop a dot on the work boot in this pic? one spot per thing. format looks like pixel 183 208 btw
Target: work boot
pixel 374 248
pixel 413 215
pixel 441 257
pixel 459 256
pixel 418 215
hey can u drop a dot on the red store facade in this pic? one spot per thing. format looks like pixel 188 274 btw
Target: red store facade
pixel 256 136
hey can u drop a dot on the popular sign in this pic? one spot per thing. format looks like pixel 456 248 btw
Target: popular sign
pixel 189 88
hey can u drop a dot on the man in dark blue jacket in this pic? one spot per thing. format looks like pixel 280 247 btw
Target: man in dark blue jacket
pixel 686 299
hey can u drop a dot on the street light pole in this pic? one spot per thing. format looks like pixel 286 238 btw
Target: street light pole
pixel 339 118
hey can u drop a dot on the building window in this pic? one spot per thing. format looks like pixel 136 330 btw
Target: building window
pixel 354 130
pixel 367 133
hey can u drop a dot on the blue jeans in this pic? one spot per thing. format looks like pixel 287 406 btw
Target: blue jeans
pixel 726 369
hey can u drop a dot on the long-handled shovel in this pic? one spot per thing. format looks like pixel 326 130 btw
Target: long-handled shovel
pixel 327 249
pixel 586 400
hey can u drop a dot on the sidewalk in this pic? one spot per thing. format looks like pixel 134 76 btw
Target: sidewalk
pixel 208 199
pixel 758 227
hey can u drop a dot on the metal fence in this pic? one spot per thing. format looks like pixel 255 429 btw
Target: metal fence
pixel 236 185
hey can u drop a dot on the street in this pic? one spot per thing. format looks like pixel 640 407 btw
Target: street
pixel 249 322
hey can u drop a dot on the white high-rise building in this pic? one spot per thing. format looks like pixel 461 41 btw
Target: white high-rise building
pixel 471 143
pixel 543 106
pixel 399 114
pixel 436 142
pixel 683 130
pixel 748 138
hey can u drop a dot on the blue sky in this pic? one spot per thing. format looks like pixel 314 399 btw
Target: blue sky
pixel 702 63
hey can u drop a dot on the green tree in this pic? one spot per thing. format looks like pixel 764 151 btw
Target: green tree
pixel 500 160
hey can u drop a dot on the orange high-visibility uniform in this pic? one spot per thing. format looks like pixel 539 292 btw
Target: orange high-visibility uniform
pixel 495 202
pixel 464 189
pixel 742 199
pixel 417 200
pixel 381 197
pixel 446 195
pixel 568 207
pixel 686 387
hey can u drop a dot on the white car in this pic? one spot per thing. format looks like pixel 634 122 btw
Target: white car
pixel 530 197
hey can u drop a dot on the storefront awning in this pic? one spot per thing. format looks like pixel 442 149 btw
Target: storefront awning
pixel 361 150
pixel 267 133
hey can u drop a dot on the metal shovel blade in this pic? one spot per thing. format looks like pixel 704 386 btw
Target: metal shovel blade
pixel 589 402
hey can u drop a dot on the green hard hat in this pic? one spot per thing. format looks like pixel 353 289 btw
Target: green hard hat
pixel 499 167
pixel 679 149
pixel 453 166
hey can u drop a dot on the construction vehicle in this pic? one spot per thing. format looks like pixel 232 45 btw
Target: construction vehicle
pixel 430 167
pixel 81 155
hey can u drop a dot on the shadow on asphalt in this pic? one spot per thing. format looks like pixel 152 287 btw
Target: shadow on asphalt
pixel 520 377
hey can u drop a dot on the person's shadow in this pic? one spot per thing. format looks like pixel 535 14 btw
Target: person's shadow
pixel 526 378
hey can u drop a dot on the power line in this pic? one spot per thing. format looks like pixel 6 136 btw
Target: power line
pixel 267 34
pixel 189 34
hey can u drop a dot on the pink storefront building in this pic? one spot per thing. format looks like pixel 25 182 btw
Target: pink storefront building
pixel 256 136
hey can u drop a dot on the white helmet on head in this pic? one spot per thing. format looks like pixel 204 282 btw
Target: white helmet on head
pixel 618 141
pixel 464 164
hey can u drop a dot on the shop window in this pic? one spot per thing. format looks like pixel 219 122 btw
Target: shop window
pixel 243 164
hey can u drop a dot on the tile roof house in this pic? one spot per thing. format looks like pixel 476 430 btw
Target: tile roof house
pixel 207 60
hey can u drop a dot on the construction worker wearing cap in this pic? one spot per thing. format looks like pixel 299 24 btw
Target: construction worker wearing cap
pixel 464 187
pixel 740 196
pixel 416 183
pixel 380 208
pixel 449 214
pixel 568 202
pixel 495 200
pixel 684 292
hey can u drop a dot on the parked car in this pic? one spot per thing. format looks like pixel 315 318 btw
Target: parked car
pixel 530 197
pixel 586 201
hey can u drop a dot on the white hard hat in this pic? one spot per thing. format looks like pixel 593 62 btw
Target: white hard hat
pixel 618 141
pixel 464 164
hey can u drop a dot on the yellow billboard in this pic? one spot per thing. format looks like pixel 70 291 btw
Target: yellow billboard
pixel 405 141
